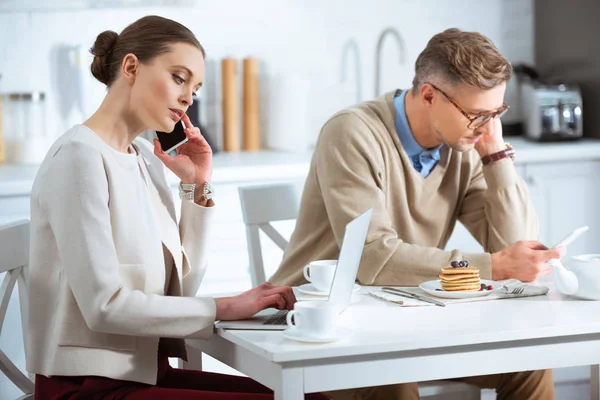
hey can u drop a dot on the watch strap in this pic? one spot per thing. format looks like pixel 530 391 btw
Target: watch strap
pixel 500 155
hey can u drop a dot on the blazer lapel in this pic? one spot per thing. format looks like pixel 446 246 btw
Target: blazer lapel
pixel 165 216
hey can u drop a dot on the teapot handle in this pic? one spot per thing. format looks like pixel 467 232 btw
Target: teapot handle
pixel 566 281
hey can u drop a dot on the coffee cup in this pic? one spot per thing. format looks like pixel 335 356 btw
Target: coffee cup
pixel 313 318
pixel 320 273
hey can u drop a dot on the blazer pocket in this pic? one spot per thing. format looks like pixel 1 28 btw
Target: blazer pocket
pixel 84 337
pixel 74 331
pixel 133 276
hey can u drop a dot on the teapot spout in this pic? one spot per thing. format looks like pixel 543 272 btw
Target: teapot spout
pixel 566 281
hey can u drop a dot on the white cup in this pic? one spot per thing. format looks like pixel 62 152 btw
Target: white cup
pixel 320 273
pixel 313 318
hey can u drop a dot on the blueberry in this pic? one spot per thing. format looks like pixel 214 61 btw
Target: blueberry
pixel 483 286
pixel 438 290
pixel 454 264
pixel 465 263
pixel 461 264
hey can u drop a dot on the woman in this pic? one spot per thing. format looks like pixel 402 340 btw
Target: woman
pixel 113 276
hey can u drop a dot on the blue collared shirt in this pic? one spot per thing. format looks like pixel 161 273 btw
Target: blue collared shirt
pixel 422 160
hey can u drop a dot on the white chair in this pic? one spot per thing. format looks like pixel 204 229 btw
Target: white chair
pixel 14 256
pixel 263 204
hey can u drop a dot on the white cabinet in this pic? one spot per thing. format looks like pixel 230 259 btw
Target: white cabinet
pixel 565 196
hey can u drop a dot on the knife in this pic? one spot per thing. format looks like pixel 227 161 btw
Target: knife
pixel 394 302
pixel 411 295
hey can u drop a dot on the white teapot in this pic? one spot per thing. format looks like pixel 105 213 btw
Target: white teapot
pixel 579 276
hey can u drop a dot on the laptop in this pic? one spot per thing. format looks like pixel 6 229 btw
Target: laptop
pixel 341 287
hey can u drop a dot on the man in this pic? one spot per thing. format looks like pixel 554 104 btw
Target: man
pixel 424 158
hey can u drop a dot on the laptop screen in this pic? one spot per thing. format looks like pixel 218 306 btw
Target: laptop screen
pixel 349 260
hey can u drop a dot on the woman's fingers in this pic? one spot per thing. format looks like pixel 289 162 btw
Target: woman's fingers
pixel 286 293
pixel 188 128
pixel 274 300
pixel 289 297
pixel 193 132
pixel 164 157
pixel 186 121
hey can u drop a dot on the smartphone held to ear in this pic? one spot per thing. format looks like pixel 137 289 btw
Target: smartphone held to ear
pixel 169 141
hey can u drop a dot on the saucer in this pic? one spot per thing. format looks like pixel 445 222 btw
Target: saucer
pixel 295 334
pixel 308 288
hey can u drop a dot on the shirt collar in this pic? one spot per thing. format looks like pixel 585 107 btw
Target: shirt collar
pixel 407 139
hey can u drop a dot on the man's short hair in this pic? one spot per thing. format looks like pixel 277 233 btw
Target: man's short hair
pixel 454 56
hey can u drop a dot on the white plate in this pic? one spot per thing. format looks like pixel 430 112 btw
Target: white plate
pixel 294 334
pixel 308 288
pixel 431 286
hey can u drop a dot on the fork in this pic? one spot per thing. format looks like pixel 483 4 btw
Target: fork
pixel 517 290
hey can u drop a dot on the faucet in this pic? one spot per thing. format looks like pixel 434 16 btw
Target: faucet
pixel 401 48
pixel 352 45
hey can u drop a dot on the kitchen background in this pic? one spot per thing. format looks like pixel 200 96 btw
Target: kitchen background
pixel 300 46
pixel 314 58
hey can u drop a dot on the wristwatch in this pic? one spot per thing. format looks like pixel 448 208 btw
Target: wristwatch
pixel 500 155
pixel 187 191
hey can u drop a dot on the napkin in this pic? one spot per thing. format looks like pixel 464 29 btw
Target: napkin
pixel 510 284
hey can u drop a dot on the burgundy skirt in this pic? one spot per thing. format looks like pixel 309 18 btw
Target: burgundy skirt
pixel 172 383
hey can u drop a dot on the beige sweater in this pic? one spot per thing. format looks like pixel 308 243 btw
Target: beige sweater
pixel 359 163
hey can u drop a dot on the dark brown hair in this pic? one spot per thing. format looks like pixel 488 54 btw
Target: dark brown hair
pixel 454 56
pixel 146 38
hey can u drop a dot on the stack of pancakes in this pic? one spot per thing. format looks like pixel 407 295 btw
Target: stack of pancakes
pixel 461 279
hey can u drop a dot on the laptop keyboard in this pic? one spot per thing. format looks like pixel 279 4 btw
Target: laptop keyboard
pixel 279 318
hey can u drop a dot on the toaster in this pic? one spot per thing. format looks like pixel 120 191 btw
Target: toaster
pixel 552 112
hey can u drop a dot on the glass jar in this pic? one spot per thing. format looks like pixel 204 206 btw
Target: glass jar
pixel 25 130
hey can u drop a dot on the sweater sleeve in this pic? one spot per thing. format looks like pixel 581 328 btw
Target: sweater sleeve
pixel 496 208
pixel 80 218
pixel 350 173
pixel 194 224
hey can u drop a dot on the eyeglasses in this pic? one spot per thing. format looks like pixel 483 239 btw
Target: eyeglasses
pixel 477 120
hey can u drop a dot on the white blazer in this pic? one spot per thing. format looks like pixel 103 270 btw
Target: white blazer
pixel 99 221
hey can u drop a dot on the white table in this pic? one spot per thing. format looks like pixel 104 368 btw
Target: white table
pixel 394 344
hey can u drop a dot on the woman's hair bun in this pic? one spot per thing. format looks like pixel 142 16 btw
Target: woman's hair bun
pixel 102 50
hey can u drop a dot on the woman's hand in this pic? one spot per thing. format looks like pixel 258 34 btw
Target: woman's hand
pixel 193 162
pixel 254 300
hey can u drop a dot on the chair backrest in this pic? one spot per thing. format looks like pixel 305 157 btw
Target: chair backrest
pixel 261 205
pixel 14 259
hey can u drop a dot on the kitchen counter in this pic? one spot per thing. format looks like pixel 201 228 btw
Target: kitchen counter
pixel 16 180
